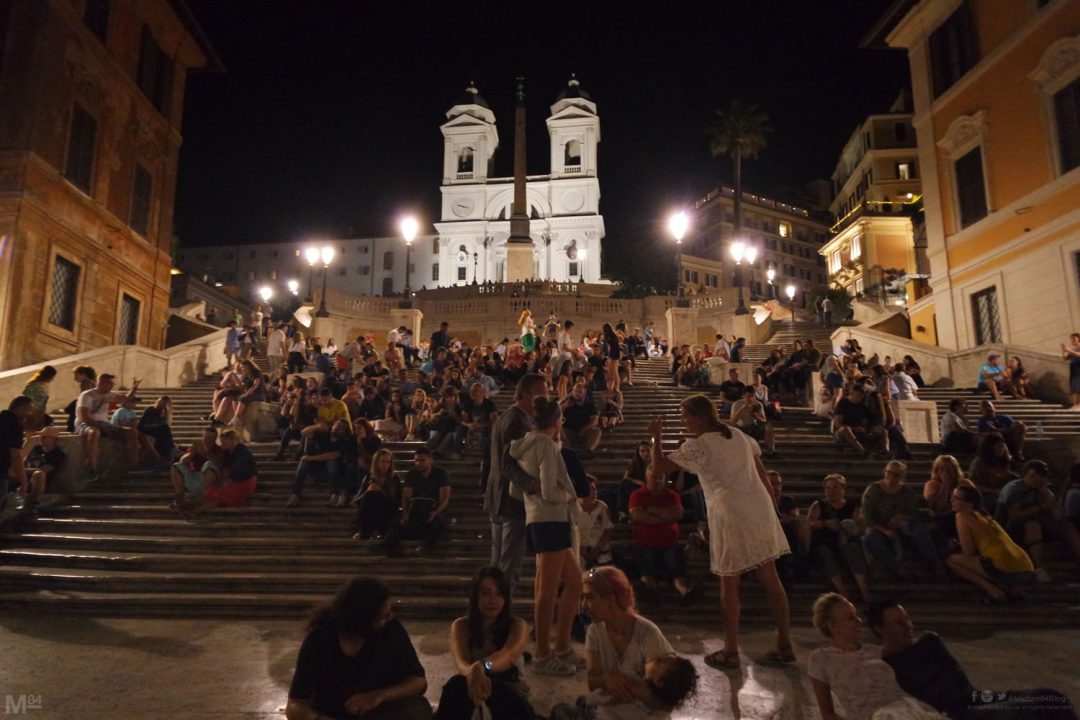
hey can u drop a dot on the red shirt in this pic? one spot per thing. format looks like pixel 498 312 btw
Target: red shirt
pixel 655 535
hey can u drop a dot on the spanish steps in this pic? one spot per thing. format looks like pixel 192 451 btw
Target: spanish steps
pixel 116 549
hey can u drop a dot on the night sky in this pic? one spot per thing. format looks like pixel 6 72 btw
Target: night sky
pixel 328 114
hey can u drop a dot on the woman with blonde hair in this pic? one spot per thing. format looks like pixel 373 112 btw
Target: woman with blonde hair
pixel 945 476
pixel 380 498
pixel 417 414
pixel 528 330
pixel 836 524
pixel 744 530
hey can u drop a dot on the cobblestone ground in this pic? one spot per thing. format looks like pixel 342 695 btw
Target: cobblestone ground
pixel 73 667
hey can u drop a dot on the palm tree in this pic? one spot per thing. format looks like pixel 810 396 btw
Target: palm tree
pixel 740 131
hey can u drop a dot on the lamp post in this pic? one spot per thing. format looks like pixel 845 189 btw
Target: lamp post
pixel 294 286
pixel 409 228
pixel 475 265
pixel 678 224
pixel 311 253
pixel 772 289
pixel 790 292
pixel 266 292
pixel 327 254
pixel 738 251
pixel 751 256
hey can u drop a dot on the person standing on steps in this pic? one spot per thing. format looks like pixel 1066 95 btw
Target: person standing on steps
pixel 506 483
pixel 744 531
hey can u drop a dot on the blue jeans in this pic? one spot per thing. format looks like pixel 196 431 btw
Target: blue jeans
pixel 327 469
pixel 889 551
pixel 442 443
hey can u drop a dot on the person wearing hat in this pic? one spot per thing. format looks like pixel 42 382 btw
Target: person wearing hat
pixel 992 377
pixel 42 461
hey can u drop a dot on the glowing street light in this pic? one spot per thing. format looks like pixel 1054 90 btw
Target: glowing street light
pixel 738 251
pixel 751 256
pixel 266 292
pixel 326 254
pixel 409 227
pixel 294 286
pixel 771 274
pixel 790 292
pixel 677 225
pixel 311 254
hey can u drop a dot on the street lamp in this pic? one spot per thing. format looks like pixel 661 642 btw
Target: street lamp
pixel 409 228
pixel 678 224
pixel 738 251
pixel 772 276
pixel 751 256
pixel 265 292
pixel 475 265
pixel 327 255
pixel 294 286
pixel 311 253
pixel 790 292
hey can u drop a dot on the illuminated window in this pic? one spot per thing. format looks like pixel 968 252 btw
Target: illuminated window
pixel 834 262
pixel 856 247
pixel 903 171
pixel 785 229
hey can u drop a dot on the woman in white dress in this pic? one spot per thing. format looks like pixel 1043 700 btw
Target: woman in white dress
pixel 854 673
pixel 744 531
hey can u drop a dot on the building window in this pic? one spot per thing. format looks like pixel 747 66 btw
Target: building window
pixel 859 286
pixel 461 273
pixel 140 200
pixel 435 272
pixel 465 160
pixel 903 171
pixel 572 158
pixel 341 272
pixel 155 76
pixel 711 281
pixel 953 49
pixel 785 229
pixel 273 274
pixel 900 131
pixel 298 252
pixel 789 270
pixel 573 269
pixel 435 246
pixel 64 296
pixel 1067 114
pixel 834 261
pixel 856 247
pixel 984 315
pixel 970 187
pixel 771 244
pixel 79 168
pixel 363 250
pixel 387 287
pixel 388 260
pixel 96 17
pixel 365 270
pixel 129 321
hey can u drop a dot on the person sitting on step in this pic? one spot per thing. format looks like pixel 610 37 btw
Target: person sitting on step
pixel 357 660
pixel 731 391
pixel 994 377
pixel 92 409
pixel 328 457
pixel 926 669
pixel 890 508
pixel 443 425
pixel 187 473
pixel 43 459
pixel 155 425
pixel 581 422
pixel 988 557
pixel 837 526
pixel 748 414
pixel 956 436
pixel 425 495
pixel 487 646
pixel 796 530
pixel 655 512
pixel 594 528
pixel 854 423
pixel 1027 509
pixel 379 499
pixel 1011 429
pixel 234 480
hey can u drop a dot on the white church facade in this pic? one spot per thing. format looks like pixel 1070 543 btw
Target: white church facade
pixel 469 243
pixel 563 206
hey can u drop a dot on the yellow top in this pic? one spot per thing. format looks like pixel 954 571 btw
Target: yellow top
pixel 992 542
pixel 335 411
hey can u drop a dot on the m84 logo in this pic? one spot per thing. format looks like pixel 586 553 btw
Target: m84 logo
pixel 20 704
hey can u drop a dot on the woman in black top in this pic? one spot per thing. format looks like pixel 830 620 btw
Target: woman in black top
pixel 357 659
pixel 613 352
pixel 837 525
pixel 379 499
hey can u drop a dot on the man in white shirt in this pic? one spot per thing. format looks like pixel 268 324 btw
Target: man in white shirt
pixel 722 349
pixel 905 386
pixel 92 421
pixel 275 347
pixel 566 346
pixel 394 336
pixel 956 437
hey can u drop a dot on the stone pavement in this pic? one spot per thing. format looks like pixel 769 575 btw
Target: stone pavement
pixel 98 669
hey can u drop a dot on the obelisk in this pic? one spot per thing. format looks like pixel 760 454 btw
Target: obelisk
pixel 519 246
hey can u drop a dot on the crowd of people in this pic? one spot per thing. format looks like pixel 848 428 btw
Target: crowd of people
pixel 343 404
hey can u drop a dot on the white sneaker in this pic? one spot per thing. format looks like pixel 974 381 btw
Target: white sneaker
pixel 552 665
pixel 332 501
pixel 1042 576
pixel 571 658
pixel 339 501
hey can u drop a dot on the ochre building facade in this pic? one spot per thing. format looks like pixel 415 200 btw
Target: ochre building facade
pixel 91 93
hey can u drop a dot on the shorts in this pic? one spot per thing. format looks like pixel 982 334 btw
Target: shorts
pixel 547 537
pixel 231 494
pixel 193 479
pixel 1006 579
pixel 106 429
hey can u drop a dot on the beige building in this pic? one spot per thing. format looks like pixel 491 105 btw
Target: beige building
pixel 91 94
pixel 876 209
pixel 787 239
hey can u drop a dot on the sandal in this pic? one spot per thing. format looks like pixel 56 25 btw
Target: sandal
pixel 723 660
pixel 780 655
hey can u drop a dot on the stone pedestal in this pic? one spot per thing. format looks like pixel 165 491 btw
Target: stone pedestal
pixel 681 326
pixel 920 420
pixel 519 262
pixel 410 318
